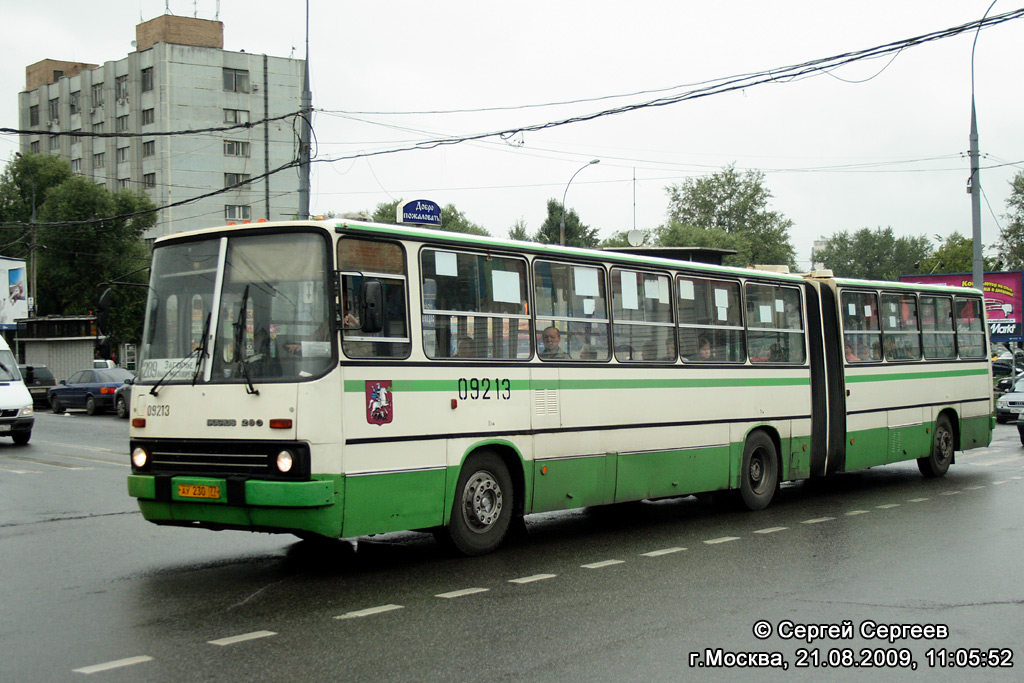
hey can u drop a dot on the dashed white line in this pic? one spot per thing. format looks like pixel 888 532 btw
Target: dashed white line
pixel 771 530
pixel 116 664
pixel 603 563
pixel 369 611
pixel 231 640
pixel 723 539
pixel 999 482
pixel 973 488
pixel 531 579
pixel 818 520
pixel 851 513
pixel 916 500
pixel 462 593
pixel 663 551
pixel 887 506
pixel 949 493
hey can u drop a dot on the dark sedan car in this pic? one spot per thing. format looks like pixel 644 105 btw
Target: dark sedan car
pixel 123 399
pixel 38 380
pixel 91 389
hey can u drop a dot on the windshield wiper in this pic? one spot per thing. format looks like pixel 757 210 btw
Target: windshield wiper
pixel 171 369
pixel 239 337
pixel 202 349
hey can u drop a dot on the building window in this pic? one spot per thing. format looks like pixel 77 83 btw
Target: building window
pixel 55 110
pixel 34 147
pixel 97 95
pixel 74 102
pixel 97 127
pixel 124 183
pixel 122 154
pixel 237 212
pixel 147 79
pixel 149 148
pixel 33 115
pixel 148 116
pixel 97 160
pixel 122 123
pixel 236 148
pixel 232 179
pixel 54 142
pixel 236 116
pixel 76 165
pixel 149 180
pixel 58 74
pixel 236 80
pixel 121 88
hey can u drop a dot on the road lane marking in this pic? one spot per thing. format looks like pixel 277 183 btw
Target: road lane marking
pixel 663 551
pixel 531 579
pixel 973 488
pixel 818 520
pixel 1000 482
pixel 116 664
pixel 36 461
pixel 916 500
pixel 771 530
pixel 99 460
pixel 723 539
pixel 887 506
pixel 16 471
pixel 603 563
pixel 369 611
pixel 462 593
pixel 949 493
pixel 851 513
pixel 242 638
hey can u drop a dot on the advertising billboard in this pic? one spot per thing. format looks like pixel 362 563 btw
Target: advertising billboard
pixel 1002 300
pixel 13 299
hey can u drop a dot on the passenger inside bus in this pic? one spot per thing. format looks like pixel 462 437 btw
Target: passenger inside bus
pixel 551 344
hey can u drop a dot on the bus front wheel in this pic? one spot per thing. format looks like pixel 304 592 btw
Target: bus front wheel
pixel 759 478
pixel 936 464
pixel 483 505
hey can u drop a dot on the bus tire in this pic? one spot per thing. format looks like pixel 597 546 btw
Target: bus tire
pixel 759 476
pixel 483 505
pixel 936 463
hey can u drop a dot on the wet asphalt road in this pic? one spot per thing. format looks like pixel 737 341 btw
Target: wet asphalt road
pixel 642 592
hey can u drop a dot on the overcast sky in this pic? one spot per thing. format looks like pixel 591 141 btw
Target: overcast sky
pixel 877 143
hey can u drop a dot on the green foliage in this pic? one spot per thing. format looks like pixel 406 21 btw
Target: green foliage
pixel 1011 238
pixel 729 210
pixel 72 258
pixel 873 254
pixel 518 231
pixel 621 239
pixel 955 255
pixel 576 234
pixel 452 220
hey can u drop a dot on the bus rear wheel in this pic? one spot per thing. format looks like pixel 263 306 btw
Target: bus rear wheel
pixel 936 464
pixel 483 505
pixel 759 478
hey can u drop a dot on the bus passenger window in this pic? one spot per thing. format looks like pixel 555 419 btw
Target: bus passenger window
pixel 775 332
pixel 899 327
pixel 970 335
pixel 937 327
pixel 361 259
pixel 860 325
pixel 571 312
pixel 710 322
pixel 642 310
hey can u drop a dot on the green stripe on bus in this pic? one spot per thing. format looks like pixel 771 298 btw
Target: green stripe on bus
pixel 936 374
pixel 413 385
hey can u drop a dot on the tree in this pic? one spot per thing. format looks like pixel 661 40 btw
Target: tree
pixel 452 220
pixel 75 252
pixel 1011 238
pixel 873 254
pixel 518 231
pixel 955 255
pixel 576 234
pixel 733 204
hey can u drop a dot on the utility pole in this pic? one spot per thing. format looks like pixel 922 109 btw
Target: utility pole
pixel 974 184
pixel 305 132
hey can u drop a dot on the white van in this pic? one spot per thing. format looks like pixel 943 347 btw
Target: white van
pixel 16 414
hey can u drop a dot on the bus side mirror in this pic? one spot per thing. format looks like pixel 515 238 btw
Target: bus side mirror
pixel 372 296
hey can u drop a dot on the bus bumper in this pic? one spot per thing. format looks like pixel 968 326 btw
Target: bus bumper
pixel 230 503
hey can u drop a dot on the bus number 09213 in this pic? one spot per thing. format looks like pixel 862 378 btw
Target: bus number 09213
pixel 485 389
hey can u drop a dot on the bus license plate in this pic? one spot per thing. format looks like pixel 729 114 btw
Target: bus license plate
pixel 198 491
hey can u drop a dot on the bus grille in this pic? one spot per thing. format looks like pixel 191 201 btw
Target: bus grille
pixel 214 458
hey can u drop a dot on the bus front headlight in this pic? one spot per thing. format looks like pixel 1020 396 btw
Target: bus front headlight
pixel 140 458
pixel 285 460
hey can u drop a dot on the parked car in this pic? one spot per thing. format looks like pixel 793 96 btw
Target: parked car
pixel 1020 431
pixel 38 379
pixel 1010 404
pixel 91 389
pixel 123 399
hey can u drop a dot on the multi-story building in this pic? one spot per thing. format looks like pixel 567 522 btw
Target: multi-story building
pixel 179 79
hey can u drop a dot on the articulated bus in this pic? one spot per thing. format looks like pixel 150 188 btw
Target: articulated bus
pixel 341 378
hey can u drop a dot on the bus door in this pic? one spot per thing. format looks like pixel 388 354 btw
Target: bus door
pixel 828 386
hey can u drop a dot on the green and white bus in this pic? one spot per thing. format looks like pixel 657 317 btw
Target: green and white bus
pixel 342 378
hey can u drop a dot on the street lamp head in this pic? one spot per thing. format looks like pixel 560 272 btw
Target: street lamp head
pixel 594 161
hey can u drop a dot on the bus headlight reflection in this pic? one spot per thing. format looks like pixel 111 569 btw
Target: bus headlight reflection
pixel 285 460
pixel 140 458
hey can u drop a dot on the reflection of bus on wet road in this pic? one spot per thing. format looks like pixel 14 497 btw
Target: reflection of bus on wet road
pixel 258 409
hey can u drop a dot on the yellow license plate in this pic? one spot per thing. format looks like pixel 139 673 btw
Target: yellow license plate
pixel 198 491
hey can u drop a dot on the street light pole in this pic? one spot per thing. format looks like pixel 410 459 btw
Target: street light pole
pixel 561 230
pixel 974 185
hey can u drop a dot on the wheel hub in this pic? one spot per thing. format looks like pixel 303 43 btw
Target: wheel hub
pixel 482 501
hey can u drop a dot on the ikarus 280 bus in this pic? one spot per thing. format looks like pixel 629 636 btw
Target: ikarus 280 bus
pixel 341 378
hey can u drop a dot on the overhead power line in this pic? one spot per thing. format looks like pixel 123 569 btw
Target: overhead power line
pixel 125 134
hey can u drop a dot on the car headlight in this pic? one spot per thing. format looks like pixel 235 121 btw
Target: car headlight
pixel 28 410
pixel 1001 403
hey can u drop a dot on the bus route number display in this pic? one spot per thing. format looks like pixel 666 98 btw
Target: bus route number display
pixel 485 389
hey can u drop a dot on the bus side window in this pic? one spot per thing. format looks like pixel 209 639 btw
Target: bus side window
pixel 710 322
pixel 571 311
pixel 359 259
pixel 642 309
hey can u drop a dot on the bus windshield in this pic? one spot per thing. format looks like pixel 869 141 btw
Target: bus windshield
pixel 261 301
